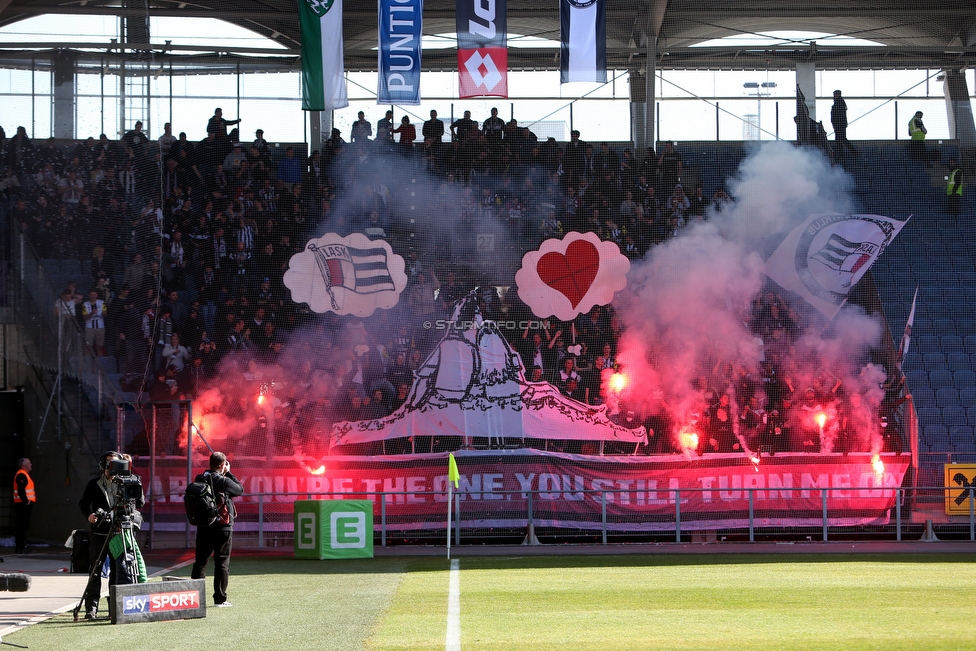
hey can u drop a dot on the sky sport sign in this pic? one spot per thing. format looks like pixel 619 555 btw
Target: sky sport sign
pixel 333 529
pixel 158 601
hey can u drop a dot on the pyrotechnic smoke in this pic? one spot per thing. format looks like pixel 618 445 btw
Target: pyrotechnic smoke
pixel 688 304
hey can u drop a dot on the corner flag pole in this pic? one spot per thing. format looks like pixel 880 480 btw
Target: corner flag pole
pixel 453 476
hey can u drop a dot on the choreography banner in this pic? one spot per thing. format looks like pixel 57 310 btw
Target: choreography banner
pixel 346 275
pixel 567 277
pixel 482 48
pixel 825 256
pixel 583 28
pixel 568 490
pixel 400 28
pixel 320 27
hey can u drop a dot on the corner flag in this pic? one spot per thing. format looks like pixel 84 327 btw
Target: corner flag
pixel 452 470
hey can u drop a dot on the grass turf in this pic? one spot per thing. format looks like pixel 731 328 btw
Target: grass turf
pixel 608 603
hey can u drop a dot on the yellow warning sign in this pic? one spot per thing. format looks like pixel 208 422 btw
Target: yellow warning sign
pixel 959 479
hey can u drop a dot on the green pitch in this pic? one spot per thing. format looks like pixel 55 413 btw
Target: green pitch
pixel 608 603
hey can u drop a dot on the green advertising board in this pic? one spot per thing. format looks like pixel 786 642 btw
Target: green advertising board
pixel 333 529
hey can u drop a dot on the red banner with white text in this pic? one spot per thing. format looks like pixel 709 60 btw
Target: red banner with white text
pixel 568 490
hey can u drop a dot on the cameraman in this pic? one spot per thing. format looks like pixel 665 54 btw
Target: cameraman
pixel 98 504
pixel 217 538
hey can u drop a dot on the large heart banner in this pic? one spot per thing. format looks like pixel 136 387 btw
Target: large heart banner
pixel 567 277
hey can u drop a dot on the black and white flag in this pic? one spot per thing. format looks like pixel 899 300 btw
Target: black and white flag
pixel 583 25
pixel 346 275
pixel 826 255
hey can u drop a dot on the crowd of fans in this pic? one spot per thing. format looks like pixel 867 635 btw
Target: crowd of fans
pixel 188 243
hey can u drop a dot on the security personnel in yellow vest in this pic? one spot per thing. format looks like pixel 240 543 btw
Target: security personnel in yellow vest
pixel 917 131
pixel 24 499
pixel 954 189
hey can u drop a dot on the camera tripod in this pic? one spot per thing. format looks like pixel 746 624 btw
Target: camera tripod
pixel 121 522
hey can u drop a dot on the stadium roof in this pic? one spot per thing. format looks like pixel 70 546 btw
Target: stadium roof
pixel 911 34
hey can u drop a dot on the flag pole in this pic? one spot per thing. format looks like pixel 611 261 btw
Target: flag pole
pixel 450 499
pixel 453 477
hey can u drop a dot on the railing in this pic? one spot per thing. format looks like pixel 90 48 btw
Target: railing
pixel 265 519
pixel 53 343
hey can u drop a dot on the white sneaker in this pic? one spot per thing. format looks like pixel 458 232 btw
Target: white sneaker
pixel 226 604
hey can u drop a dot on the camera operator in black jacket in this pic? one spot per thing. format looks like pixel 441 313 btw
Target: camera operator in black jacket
pixel 217 538
pixel 99 506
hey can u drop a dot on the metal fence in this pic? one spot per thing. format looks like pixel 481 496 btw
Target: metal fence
pixel 266 519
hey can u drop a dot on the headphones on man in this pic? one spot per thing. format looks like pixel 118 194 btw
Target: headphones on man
pixel 103 460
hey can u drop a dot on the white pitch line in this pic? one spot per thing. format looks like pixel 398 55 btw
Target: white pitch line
pixel 454 608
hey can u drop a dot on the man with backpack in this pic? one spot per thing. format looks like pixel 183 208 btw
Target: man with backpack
pixel 216 537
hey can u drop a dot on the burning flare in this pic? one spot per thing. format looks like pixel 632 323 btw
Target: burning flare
pixel 688 439
pixel 617 382
pixel 317 471
pixel 821 419
pixel 878 465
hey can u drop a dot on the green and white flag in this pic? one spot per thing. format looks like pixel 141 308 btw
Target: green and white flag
pixel 323 83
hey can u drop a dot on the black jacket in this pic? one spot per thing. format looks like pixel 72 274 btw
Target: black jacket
pixel 95 497
pixel 226 487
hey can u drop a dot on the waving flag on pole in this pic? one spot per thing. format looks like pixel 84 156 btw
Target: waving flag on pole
pixel 583 25
pixel 452 471
pixel 453 477
pixel 323 83
pixel 826 255
pixel 906 338
pixel 482 42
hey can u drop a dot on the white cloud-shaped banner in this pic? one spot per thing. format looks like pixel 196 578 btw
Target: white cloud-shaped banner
pixel 346 275
pixel 567 277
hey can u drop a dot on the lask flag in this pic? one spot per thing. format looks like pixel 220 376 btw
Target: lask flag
pixel 826 255
pixel 452 470
pixel 906 338
pixel 583 26
pixel 482 42
pixel 323 83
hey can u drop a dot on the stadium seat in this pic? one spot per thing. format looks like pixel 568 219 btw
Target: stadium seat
pixel 951 343
pixel 933 433
pixel 933 361
pixel 964 378
pixel 917 377
pixel 965 448
pixel 940 378
pixel 965 325
pixel 929 416
pixel 971 416
pixel 944 326
pixel 969 344
pixel 923 396
pixel 958 362
pixel 107 364
pixel 941 446
pixel 954 416
pixel 946 397
pixel 73 268
pixel 967 396
pixel 961 434
pixel 51 266
pixel 922 326
pixel 928 343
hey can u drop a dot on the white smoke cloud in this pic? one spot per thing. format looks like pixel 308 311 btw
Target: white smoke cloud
pixel 688 304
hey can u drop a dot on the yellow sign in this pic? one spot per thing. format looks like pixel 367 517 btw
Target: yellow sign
pixel 959 478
